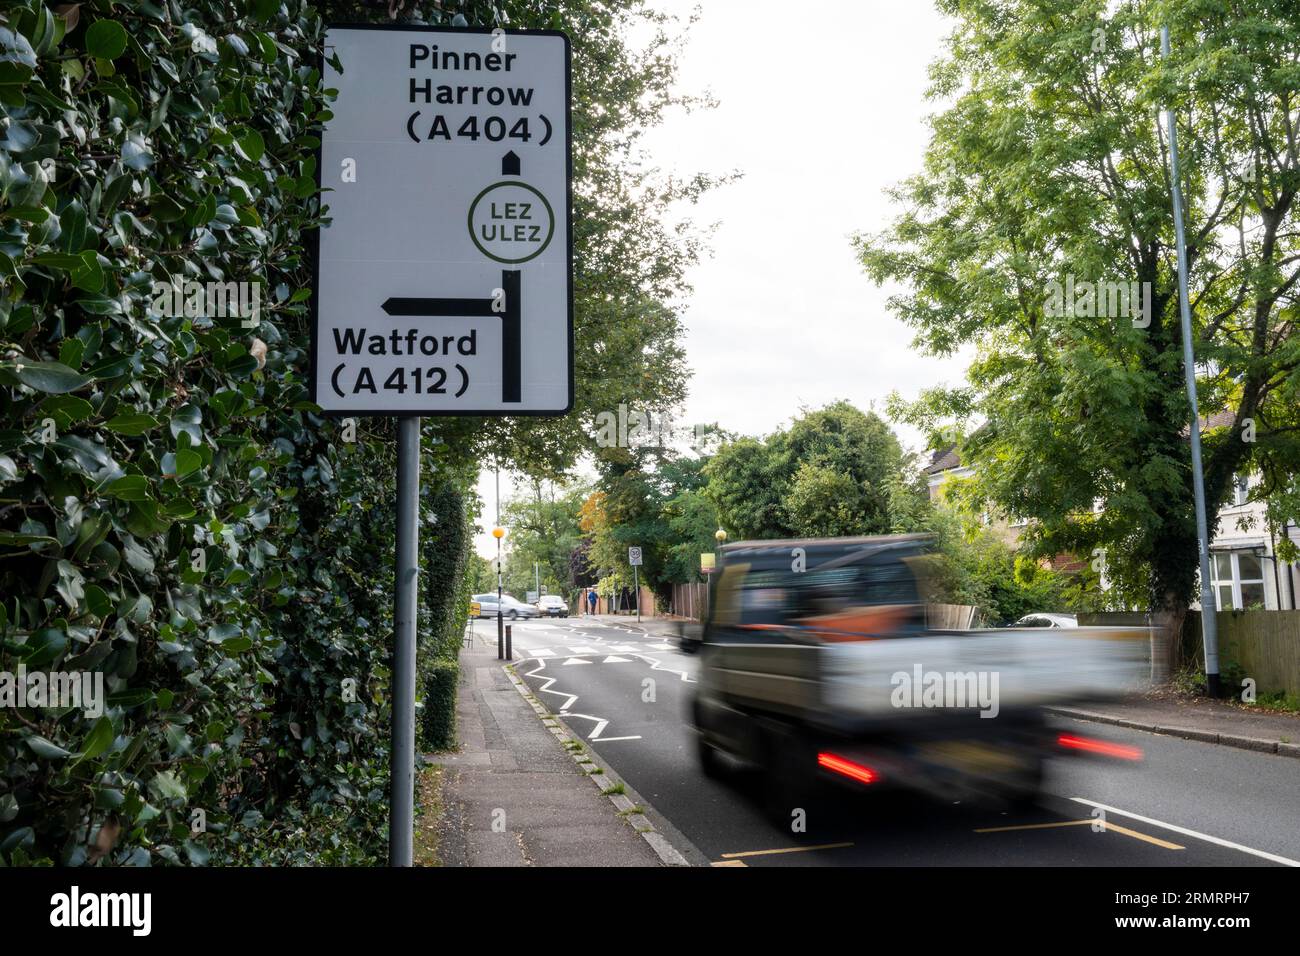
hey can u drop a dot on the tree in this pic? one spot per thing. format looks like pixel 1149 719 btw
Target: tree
pixel 833 472
pixel 1049 170
pixel 543 532
pixel 481 576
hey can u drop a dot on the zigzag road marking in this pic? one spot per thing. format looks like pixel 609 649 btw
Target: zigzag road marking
pixel 657 665
pixel 601 723
pixel 544 689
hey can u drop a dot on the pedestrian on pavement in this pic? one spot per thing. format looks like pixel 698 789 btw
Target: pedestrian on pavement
pixel 591 600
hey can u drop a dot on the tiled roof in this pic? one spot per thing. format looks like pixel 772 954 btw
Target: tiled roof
pixel 942 460
pixel 1223 419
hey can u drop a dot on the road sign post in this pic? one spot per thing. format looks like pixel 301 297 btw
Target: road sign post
pixel 402 815
pixel 443 275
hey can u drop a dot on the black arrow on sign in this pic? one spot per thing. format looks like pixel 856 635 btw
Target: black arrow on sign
pixel 510 164
pixel 480 308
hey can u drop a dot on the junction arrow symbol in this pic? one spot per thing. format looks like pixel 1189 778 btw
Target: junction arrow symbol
pixel 510 164
pixel 479 308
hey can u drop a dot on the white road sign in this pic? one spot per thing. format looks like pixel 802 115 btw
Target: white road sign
pixel 634 557
pixel 443 281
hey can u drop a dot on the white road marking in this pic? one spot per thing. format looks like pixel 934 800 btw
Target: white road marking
pixel 541 652
pixel 1191 833
pixel 548 681
pixel 574 660
pixel 662 647
pixel 601 724
pixel 657 665
pixel 606 740
pixel 624 648
pixel 617 660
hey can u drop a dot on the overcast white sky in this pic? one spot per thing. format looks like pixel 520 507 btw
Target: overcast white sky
pixel 821 112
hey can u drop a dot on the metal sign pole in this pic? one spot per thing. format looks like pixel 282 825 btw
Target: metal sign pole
pixel 636 583
pixel 402 809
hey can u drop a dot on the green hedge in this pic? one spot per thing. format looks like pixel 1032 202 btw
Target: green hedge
pixel 438 679
pixel 445 548
pixel 173 515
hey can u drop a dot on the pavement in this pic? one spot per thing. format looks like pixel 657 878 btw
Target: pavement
pixel 514 795
pixel 624 691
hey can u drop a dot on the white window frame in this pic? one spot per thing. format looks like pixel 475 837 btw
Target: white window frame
pixel 1240 490
pixel 1236 581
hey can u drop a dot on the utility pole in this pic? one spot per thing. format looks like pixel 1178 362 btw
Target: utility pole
pixel 1209 627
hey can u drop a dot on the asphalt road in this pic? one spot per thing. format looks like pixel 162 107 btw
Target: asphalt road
pixel 625 693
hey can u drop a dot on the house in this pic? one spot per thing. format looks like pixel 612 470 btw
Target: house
pixel 944 468
pixel 1244 567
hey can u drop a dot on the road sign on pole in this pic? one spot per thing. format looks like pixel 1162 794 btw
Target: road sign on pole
pixel 443 278
pixel 634 559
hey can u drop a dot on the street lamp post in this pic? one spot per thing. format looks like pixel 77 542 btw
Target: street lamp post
pixel 1209 626
pixel 499 533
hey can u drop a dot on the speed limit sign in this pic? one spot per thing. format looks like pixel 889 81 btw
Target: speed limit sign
pixel 634 557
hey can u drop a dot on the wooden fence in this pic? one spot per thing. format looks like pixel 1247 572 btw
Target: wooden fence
pixel 1261 645
pixel 690 601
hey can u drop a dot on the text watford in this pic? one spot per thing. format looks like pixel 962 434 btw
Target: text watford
pixel 397 342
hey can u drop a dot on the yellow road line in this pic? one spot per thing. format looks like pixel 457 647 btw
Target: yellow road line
pixel 1141 836
pixel 787 849
pixel 728 863
pixel 1034 826
pixel 1106 826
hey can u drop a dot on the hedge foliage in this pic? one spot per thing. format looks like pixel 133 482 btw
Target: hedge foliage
pixel 172 512
pixel 445 551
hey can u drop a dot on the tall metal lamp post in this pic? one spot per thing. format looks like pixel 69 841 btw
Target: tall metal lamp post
pixel 1209 626
pixel 499 533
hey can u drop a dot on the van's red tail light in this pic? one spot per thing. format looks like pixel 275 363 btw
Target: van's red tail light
pixel 1103 747
pixel 847 768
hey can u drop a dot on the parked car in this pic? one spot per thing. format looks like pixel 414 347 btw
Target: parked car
pixel 552 605
pixel 487 604
pixel 511 608
pixel 1048 619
